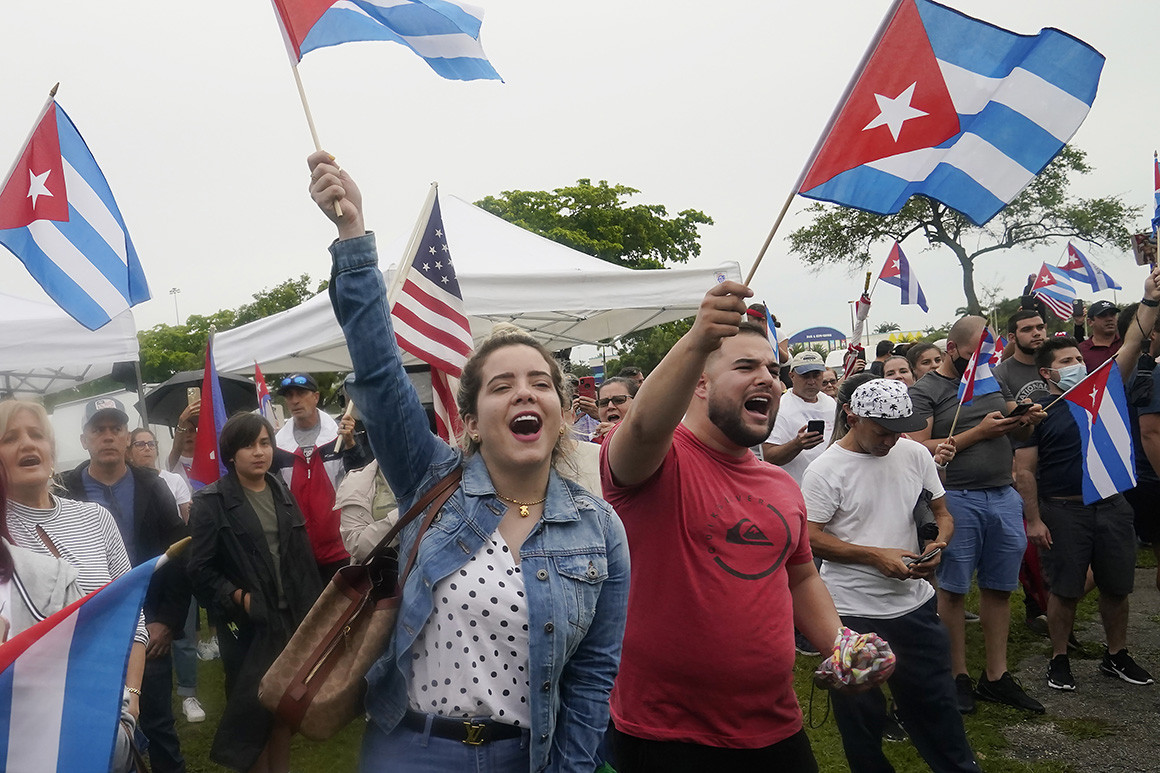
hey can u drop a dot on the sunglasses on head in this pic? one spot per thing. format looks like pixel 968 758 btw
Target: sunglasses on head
pixel 294 380
pixel 615 400
pixel 145 444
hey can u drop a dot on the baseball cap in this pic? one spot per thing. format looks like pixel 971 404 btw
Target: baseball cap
pixel 298 381
pixel 886 402
pixel 1101 307
pixel 103 407
pixel 807 362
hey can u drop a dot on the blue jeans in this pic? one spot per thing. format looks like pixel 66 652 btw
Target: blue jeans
pixel 185 656
pixel 409 751
pixel 923 689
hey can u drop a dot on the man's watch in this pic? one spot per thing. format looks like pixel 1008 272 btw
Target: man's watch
pixel 1149 302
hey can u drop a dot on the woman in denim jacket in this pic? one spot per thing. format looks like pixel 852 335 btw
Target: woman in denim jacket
pixel 508 637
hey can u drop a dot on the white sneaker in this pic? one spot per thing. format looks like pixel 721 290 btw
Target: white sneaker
pixel 208 649
pixel 192 709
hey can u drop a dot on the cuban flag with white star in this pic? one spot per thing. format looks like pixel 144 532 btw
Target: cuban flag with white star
pixel 58 216
pixel 952 108
pixel 1079 267
pixel 1053 286
pixel 897 272
pixel 1100 409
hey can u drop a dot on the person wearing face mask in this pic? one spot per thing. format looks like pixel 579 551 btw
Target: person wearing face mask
pixel 1071 535
pixel 988 514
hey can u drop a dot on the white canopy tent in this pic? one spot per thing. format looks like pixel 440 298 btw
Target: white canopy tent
pixel 561 296
pixel 45 350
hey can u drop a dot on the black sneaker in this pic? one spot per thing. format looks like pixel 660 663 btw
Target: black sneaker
pixel 969 616
pixel 965 692
pixel 1122 665
pixel 802 645
pixel 1038 625
pixel 1007 691
pixel 1059 674
pixel 893 731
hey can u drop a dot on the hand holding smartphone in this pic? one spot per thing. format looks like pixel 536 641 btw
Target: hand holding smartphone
pixel 816 425
pixel 587 387
pixel 925 557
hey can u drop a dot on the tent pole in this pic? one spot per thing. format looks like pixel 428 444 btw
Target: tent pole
pixel 141 392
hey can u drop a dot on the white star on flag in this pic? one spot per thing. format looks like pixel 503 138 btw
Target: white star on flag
pixel 438 264
pixel 36 186
pixel 432 249
pixel 895 112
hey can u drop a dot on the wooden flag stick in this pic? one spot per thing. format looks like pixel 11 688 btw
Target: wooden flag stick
pixel 310 121
pixel 769 239
pixel 348 412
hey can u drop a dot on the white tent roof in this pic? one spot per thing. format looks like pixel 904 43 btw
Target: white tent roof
pixel 561 296
pixel 45 350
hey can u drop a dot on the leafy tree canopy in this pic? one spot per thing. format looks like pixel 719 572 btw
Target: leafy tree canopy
pixel 646 348
pixel 598 220
pixel 1042 214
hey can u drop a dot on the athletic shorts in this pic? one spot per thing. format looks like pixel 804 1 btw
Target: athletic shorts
pixel 1145 502
pixel 1099 535
pixel 988 541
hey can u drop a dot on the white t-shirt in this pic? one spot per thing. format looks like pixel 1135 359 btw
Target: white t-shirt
pixel 177 486
pixel 793 414
pixel 869 500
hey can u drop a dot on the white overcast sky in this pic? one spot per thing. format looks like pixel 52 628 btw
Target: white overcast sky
pixel 191 110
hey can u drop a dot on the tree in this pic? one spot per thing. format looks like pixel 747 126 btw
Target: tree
pixel 597 220
pixel 646 348
pixel 886 327
pixel 1041 214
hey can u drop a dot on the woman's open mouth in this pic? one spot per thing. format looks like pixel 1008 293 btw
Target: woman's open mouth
pixel 526 426
pixel 29 461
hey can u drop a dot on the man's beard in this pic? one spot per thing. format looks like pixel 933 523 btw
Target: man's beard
pixel 727 418
pixel 1025 350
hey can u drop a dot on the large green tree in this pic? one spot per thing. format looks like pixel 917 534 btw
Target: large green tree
pixel 1043 213
pixel 600 221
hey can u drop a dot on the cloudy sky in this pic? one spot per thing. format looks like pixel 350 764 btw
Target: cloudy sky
pixel 192 112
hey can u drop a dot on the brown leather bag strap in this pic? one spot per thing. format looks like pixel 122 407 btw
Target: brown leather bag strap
pixel 441 491
pixel 47 540
pixel 436 506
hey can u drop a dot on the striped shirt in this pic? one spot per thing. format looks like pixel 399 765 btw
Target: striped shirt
pixel 86 536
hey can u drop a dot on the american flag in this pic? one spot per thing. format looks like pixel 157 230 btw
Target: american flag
pixel 1054 287
pixel 428 314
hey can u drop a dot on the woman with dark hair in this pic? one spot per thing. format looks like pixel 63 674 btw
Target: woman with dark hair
pixel 254 572
pixel 923 358
pixel 510 625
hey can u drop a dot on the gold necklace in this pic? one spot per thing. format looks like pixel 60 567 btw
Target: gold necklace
pixel 523 505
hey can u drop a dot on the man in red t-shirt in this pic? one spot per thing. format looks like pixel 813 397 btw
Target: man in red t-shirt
pixel 722 568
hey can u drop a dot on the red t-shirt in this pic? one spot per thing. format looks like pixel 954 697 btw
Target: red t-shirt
pixel 708 648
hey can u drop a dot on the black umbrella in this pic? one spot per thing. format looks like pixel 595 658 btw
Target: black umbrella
pixel 167 400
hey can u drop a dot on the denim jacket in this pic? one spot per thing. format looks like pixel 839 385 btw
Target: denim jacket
pixel 575 562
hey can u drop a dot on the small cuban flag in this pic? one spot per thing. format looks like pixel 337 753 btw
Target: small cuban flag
pixel 897 272
pixel 58 216
pixel 1053 286
pixel 977 378
pixel 1100 409
pixel 1081 269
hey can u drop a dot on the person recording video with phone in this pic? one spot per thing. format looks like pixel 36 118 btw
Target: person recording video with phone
pixel 805 419
pixel 874 564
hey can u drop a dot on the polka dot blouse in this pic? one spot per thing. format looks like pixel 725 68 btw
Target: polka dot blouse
pixel 471 658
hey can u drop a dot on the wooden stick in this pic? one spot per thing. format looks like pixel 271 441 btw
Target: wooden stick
pixel 310 121
pixel 348 412
pixel 769 239
pixel 955 421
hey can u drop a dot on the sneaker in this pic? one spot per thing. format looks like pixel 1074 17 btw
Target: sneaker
pixel 1038 625
pixel 969 616
pixel 1059 674
pixel 192 709
pixel 208 649
pixel 1006 690
pixel 803 646
pixel 965 691
pixel 1122 665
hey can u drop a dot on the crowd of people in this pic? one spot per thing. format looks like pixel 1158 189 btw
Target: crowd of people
pixel 767 506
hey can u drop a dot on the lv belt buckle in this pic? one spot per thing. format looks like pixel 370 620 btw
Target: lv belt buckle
pixel 474 733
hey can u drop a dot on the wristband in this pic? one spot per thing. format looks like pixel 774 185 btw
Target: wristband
pixel 133 690
pixel 1149 302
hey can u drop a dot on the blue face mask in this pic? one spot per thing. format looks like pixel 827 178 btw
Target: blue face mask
pixel 1071 375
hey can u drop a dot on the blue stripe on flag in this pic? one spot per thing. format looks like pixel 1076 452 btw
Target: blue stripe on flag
pixel 980 47
pixel 81 234
pixel 5 712
pixel 56 283
pixel 419 19
pixel 1014 135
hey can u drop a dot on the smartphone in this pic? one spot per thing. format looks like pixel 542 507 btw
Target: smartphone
pixel 192 395
pixel 924 557
pixel 587 387
pixel 1077 308
pixel 817 425
pixel 1019 410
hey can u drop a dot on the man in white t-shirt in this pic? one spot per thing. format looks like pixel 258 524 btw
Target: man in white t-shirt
pixel 792 445
pixel 860 496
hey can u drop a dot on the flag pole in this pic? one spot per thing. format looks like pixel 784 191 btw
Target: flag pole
pixel 873 44
pixel 36 123
pixel 1085 378
pixel 310 121
pixel 412 244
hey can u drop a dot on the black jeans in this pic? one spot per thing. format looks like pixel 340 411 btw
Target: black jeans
pixel 638 755
pixel 156 720
pixel 923 688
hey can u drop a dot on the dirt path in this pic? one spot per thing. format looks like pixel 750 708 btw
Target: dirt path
pixel 1105 724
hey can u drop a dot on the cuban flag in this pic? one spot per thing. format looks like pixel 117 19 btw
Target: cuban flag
pixel 897 272
pixel 61 680
pixel 1156 187
pixel 1055 289
pixel 952 108
pixel 1000 347
pixel 445 33
pixel 207 464
pixel 1100 409
pixel 1080 268
pixel 265 402
pixel 58 216
pixel 977 378
pixel 771 332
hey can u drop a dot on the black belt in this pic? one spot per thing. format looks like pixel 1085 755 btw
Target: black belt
pixel 473 732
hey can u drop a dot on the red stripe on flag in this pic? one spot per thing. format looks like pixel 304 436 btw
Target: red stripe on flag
pixel 436 363
pixel 441 336
pixel 435 304
pixel 447 422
